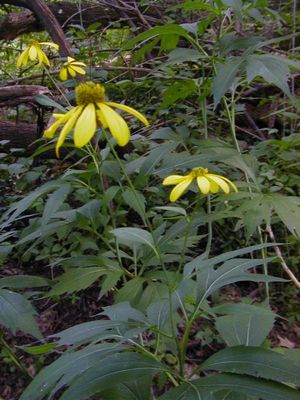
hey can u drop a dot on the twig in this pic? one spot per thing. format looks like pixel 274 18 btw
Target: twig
pixel 282 260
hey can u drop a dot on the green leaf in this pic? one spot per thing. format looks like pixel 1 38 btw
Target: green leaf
pixel 131 291
pixel 167 29
pixel 136 201
pixel 254 361
pixel 240 326
pixel 16 209
pixel 86 332
pixel 44 100
pixel 54 201
pixel 43 231
pixel 288 210
pixel 201 389
pixel 274 69
pixel 24 281
pixel 139 389
pixel 225 77
pixel 133 236
pixel 65 369
pixel 38 350
pixel 178 91
pixel 181 55
pixel 209 280
pixel 17 313
pixel 77 279
pixel 116 369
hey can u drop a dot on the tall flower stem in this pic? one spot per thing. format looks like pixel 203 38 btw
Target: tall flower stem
pixel 157 249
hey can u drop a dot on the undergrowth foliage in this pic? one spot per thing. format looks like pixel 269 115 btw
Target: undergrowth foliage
pixel 162 261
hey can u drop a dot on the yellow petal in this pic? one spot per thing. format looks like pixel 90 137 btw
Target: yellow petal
pixel 70 59
pixel 78 63
pixel 23 59
pixel 173 180
pixel 67 128
pixel 219 181
pixel 33 53
pixel 86 126
pixel 71 71
pixel 57 115
pixel 77 69
pixel 214 187
pixel 63 75
pixel 116 124
pixel 203 184
pixel 180 188
pixel 51 44
pixel 50 132
pixel 228 181
pixel 130 110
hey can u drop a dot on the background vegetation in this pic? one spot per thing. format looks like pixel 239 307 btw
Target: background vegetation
pixel 110 291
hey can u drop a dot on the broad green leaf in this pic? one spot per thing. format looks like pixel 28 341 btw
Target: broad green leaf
pixel 43 231
pixel 23 281
pixel 132 236
pixel 123 312
pixel 178 91
pixel 167 29
pixel 240 326
pixel 254 361
pixel 131 291
pixel 17 313
pixel 54 201
pixel 225 77
pixel 44 100
pixel 155 156
pixel 201 389
pixel 136 201
pixel 274 69
pixel 116 369
pixel 66 368
pixel 77 279
pixel 288 210
pixel 86 332
pixel 139 389
pixel 201 262
pixel 16 209
pixel 235 270
pixel 181 55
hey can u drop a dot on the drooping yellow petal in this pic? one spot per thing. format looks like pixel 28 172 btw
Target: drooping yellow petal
pixel 130 110
pixel 203 184
pixel 116 124
pixel 23 59
pixel 173 180
pixel 219 181
pixel 77 69
pixel 51 44
pixel 86 126
pixel 214 187
pixel 71 71
pixel 70 59
pixel 57 116
pixel 228 181
pixel 32 53
pixel 79 64
pixel 180 188
pixel 50 132
pixel 63 75
pixel 101 119
pixel 67 128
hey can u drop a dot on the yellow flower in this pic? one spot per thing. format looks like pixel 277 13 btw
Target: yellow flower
pixel 91 111
pixel 206 182
pixel 71 67
pixel 34 52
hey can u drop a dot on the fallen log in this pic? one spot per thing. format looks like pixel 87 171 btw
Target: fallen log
pixel 13 95
pixel 68 13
